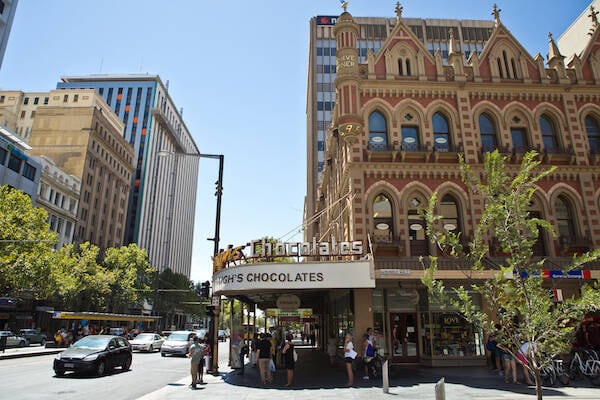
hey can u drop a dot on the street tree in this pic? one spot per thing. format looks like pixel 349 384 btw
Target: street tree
pixel 25 246
pixel 526 312
pixel 174 294
pixel 82 284
pixel 133 277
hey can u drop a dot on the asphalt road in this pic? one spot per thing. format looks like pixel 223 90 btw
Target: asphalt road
pixel 33 378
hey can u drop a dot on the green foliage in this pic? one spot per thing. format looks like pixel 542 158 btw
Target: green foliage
pixel 132 276
pixel 83 285
pixel 175 293
pixel 25 246
pixel 525 311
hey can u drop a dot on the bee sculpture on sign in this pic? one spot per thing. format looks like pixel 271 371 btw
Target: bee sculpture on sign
pixel 264 248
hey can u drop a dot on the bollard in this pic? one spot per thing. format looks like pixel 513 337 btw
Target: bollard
pixel 440 391
pixel 385 376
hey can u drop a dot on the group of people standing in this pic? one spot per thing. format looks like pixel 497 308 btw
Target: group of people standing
pixel 503 359
pixel 266 357
pixel 350 354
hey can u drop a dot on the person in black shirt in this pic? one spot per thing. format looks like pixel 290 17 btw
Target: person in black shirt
pixel 288 356
pixel 263 349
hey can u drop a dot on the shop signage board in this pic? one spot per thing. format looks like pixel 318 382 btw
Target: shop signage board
pixel 305 275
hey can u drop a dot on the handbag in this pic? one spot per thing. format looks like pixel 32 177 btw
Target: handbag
pixel 295 356
pixel 271 365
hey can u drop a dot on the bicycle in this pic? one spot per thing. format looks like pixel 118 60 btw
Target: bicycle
pixel 584 362
pixel 374 367
pixel 553 373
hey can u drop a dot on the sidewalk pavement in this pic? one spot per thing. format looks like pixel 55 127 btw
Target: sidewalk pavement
pixel 315 378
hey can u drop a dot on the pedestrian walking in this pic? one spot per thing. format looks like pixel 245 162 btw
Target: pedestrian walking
pixel 263 349
pixel 349 356
pixel 195 355
pixel 289 357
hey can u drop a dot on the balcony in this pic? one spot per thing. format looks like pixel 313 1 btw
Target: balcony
pixel 378 152
pixel 558 155
pixel 446 153
pixel 414 152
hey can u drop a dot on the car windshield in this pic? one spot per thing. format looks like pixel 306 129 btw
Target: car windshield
pixel 92 342
pixel 144 336
pixel 179 336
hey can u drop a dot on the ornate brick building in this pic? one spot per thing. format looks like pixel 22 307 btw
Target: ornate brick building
pixel 399 124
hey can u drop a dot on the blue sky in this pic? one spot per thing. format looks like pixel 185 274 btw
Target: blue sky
pixel 238 70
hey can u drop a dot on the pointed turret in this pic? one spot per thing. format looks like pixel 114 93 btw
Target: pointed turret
pixel 455 58
pixel 556 60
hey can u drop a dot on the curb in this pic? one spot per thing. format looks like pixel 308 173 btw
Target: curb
pixel 6 356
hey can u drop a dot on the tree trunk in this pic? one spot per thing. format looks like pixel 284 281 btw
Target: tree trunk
pixel 538 384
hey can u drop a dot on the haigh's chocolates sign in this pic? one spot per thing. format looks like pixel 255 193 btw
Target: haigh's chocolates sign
pixel 266 249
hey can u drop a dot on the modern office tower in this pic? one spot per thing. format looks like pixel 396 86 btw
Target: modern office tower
pixel 402 121
pixel 83 137
pixel 17 168
pixel 162 203
pixel 470 38
pixel 572 40
pixel 58 194
pixel 7 15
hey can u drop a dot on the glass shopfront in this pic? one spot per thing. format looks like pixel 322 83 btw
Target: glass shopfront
pixel 411 329
pixel 446 335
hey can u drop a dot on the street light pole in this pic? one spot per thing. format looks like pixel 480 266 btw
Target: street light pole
pixel 213 329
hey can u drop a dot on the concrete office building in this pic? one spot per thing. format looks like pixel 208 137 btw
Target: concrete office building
pixel 83 137
pixel 17 168
pixel 58 194
pixel 160 217
pixel 470 37
pixel 7 15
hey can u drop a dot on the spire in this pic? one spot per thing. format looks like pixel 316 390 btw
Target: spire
pixel 398 10
pixel 553 50
pixel 594 16
pixel 496 14
pixel 452 47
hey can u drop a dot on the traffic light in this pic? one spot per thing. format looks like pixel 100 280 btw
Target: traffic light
pixel 205 290
pixel 210 311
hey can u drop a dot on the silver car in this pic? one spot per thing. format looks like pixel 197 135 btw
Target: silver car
pixel 147 342
pixel 178 343
pixel 13 340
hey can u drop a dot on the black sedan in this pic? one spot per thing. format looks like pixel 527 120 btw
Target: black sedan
pixel 94 354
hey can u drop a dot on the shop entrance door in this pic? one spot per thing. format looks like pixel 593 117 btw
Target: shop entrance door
pixel 404 337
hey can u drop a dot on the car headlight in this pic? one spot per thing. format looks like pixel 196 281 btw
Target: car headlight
pixel 91 357
pixel 59 356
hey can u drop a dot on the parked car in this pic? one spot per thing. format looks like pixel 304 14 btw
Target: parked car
pixel 34 336
pixel 147 342
pixel 13 340
pixel 222 335
pixel 94 354
pixel 201 333
pixel 178 343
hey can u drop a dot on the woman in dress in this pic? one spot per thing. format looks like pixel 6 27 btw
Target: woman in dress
pixel 349 356
pixel 288 357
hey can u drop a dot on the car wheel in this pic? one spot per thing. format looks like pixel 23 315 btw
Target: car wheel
pixel 127 364
pixel 163 354
pixel 151 348
pixel 59 372
pixel 100 368
pixel 43 342
pixel 22 343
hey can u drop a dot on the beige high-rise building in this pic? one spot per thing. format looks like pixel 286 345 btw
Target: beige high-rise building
pixel 83 136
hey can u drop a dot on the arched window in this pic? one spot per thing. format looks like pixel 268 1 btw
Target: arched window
pixel 450 214
pixel 549 134
pixel 487 132
pixel 408 73
pixel 441 133
pixel 377 131
pixel 417 233
pixel 404 67
pixel 383 219
pixel 593 133
pixel 410 138
pixel 564 219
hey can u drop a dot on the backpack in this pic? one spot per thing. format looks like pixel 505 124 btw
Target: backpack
pixel 370 350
